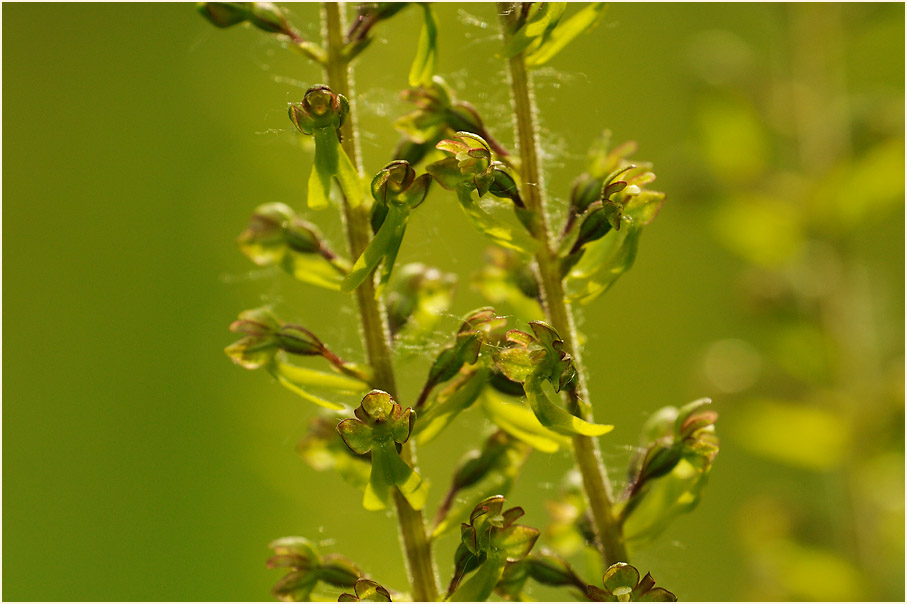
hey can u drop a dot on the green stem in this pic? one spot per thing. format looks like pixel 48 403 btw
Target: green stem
pixel 585 448
pixel 375 335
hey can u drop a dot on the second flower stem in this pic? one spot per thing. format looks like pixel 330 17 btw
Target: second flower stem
pixel 415 542
pixel 585 448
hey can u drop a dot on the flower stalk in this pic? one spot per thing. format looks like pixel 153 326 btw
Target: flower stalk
pixel 558 311
pixel 375 336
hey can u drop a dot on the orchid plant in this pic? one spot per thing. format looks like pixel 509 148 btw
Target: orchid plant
pixel 521 369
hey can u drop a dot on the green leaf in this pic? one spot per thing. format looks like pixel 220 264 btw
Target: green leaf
pixel 513 235
pixel 383 246
pixel 457 397
pixel 252 352
pixel 516 541
pixel 603 263
pixel 665 498
pixel 482 475
pixel 520 422
pixel 564 33
pixel 296 586
pixel 312 398
pixel 322 451
pixel 423 68
pixel 514 362
pixel 539 393
pixel 300 379
pixel 481 584
pixel 313 269
pixel 542 19
pixel 303 376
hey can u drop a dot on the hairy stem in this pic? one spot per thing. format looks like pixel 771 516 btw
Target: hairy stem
pixel 375 335
pixel 585 449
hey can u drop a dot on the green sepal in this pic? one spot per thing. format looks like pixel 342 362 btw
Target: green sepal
pixel 356 435
pixel 658 594
pixel 520 422
pixel 622 584
pixel 447 172
pixel 366 591
pixel 620 579
pixel 564 33
pixel 423 68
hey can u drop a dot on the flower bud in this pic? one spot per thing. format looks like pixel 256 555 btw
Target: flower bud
pixel 255 322
pixel 298 340
pixel 302 236
pixel 586 191
pixel 320 108
pixel 397 183
pixel 268 17
pixel 224 14
pixel 339 571
pixel 263 241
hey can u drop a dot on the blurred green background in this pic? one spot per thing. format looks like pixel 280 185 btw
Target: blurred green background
pixel 139 464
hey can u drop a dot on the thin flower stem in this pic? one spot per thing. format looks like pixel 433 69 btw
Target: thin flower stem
pixel 375 335
pixel 585 449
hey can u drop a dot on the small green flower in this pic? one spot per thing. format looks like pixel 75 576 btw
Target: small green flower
pixel 489 542
pixel 622 584
pixel 366 591
pixel 306 568
pixel 379 426
pixel 470 167
pixel 397 192
pixel 321 114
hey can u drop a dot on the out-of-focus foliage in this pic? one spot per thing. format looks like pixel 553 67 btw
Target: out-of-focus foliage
pixel 800 166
